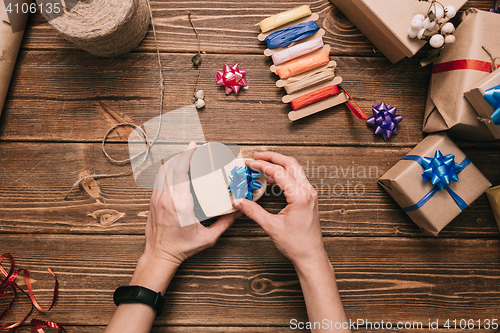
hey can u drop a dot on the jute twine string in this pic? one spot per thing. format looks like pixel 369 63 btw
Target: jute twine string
pixel 104 28
pixel 149 144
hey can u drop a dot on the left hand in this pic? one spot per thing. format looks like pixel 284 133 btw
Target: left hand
pixel 170 207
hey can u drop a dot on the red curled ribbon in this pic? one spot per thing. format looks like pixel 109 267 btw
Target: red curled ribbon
pixel 8 283
pixel 477 65
pixel 360 114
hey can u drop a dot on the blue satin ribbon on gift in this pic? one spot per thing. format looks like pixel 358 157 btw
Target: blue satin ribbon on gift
pixel 287 36
pixel 243 182
pixel 492 96
pixel 440 170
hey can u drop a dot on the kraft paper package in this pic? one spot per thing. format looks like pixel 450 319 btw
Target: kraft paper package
pixel 385 23
pixel 11 34
pixel 493 195
pixel 405 183
pixel 490 85
pixel 459 68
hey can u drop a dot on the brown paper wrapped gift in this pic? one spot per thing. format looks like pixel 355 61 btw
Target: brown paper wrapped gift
pixel 405 184
pixel 493 195
pixel 447 108
pixel 386 22
pixel 475 96
pixel 11 33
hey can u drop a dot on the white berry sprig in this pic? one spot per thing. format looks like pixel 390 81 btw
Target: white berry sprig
pixel 434 27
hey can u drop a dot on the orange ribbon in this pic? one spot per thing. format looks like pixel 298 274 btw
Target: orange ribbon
pixel 314 96
pixel 303 64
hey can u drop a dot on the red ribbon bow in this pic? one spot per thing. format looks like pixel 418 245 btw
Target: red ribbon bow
pixel 232 78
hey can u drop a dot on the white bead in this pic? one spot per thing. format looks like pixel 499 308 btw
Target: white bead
pixel 439 11
pixel 412 33
pixel 200 94
pixel 418 17
pixel 417 23
pixel 428 24
pixel 199 103
pixel 420 33
pixel 448 28
pixel 436 41
pixel 450 39
pixel 450 11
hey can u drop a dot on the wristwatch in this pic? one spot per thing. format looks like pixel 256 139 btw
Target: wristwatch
pixel 138 294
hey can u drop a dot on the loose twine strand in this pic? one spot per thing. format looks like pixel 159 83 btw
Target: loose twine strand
pixel 149 144
pixel 197 58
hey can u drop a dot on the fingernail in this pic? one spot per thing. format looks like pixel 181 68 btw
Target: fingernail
pixel 191 145
pixel 237 204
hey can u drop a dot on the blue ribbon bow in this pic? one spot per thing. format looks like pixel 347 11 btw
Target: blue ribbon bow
pixel 287 36
pixel 441 171
pixel 243 182
pixel 492 96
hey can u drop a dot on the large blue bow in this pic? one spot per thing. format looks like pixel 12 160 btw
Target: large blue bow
pixel 243 182
pixel 440 170
pixel 492 96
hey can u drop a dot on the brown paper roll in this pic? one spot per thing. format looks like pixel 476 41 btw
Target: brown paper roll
pixel 11 35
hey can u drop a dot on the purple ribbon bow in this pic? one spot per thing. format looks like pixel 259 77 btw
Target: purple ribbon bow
pixel 384 120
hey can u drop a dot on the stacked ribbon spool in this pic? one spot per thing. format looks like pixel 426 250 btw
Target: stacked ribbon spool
pixel 301 60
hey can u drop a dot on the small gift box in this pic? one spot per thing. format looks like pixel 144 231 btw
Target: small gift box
pixel 434 183
pixel 386 23
pixel 493 195
pixel 485 99
pixel 218 177
pixel 459 68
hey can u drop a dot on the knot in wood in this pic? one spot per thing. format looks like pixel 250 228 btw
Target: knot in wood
pixel 259 285
pixel 107 216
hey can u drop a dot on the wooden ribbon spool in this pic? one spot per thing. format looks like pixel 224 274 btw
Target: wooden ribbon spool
pixel 104 28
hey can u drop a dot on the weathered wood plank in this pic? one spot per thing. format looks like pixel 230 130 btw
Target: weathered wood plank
pixel 238 329
pixel 36 176
pixel 55 96
pixel 226 27
pixel 246 282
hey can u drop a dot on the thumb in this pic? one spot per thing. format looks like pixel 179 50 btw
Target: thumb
pixel 253 211
pixel 221 225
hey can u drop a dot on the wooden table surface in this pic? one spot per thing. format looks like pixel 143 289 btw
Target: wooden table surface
pixel 57 112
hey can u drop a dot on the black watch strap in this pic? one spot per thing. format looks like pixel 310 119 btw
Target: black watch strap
pixel 138 294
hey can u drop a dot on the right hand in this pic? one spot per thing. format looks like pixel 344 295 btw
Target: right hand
pixel 295 230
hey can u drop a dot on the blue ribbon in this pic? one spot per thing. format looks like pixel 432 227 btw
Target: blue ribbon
pixel 492 96
pixel 287 36
pixel 440 170
pixel 243 182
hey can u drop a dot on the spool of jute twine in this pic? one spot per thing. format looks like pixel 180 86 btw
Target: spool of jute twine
pixel 104 28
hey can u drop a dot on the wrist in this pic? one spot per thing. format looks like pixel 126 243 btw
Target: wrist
pixel 153 273
pixel 308 267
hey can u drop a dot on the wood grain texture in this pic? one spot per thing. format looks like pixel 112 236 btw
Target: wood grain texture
pixel 248 282
pixel 226 27
pixel 74 96
pixel 58 96
pixel 36 176
pixel 238 329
